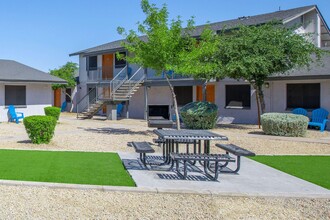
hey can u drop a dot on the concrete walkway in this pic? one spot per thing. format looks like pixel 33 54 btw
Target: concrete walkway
pixel 254 179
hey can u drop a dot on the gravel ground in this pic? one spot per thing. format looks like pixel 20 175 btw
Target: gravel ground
pixel 100 135
pixel 45 203
pixel 19 202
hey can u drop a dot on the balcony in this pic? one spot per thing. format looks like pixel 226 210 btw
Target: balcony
pixel 104 74
pixel 172 76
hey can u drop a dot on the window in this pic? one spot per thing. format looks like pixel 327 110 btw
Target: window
pixel 238 96
pixel 91 63
pixel 119 63
pixel 68 91
pixel 184 94
pixel 15 95
pixel 303 95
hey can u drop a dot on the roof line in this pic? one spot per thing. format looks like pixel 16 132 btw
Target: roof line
pixel 298 15
pixel 34 81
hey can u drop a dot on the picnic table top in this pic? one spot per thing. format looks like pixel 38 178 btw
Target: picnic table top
pixel 189 134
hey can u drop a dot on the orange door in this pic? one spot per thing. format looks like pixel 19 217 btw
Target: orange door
pixel 106 95
pixel 107 66
pixel 210 93
pixel 57 97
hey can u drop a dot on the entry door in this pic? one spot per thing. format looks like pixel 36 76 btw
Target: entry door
pixel 210 93
pixel 107 66
pixel 92 95
pixel 57 97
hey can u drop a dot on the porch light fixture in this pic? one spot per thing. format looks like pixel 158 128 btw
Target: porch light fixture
pixel 267 85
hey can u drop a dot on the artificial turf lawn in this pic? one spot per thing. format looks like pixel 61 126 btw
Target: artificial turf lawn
pixel 315 169
pixel 64 167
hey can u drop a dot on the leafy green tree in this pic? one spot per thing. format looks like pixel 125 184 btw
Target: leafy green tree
pixel 251 53
pixel 161 44
pixel 66 72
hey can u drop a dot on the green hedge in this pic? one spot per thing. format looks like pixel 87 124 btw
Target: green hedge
pixel 53 111
pixel 39 128
pixel 199 115
pixel 282 124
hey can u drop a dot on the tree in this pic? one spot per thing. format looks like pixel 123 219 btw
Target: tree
pixel 66 72
pixel 161 44
pixel 251 53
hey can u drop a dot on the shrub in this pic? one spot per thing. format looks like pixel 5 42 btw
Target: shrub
pixel 53 111
pixel 282 124
pixel 199 115
pixel 39 128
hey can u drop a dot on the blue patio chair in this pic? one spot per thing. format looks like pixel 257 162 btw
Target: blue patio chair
pixel 319 118
pixel 63 107
pixel 13 115
pixel 119 109
pixel 129 72
pixel 300 111
pixel 174 118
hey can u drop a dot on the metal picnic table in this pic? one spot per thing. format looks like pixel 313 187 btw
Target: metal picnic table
pixel 173 137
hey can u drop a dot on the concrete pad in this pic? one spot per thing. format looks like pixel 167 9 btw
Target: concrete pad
pixel 254 179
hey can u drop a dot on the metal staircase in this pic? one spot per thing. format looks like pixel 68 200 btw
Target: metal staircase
pixel 121 89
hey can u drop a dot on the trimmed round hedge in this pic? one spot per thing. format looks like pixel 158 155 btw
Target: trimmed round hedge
pixel 284 124
pixel 40 128
pixel 199 115
pixel 53 111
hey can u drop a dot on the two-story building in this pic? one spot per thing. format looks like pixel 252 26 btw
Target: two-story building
pixel 105 79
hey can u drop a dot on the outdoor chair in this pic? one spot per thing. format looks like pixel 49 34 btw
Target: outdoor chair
pixel 63 107
pixel 319 118
pixel 13 115
pixel 300 111
pixel 119 109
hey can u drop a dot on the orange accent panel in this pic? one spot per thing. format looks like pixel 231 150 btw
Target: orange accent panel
pixel 107 66
pixel 57 97
pixel 210 93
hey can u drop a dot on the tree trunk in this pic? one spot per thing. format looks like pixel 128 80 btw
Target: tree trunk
pixel 261 105
pixel 71 98
pixel 262 99
pixel 257 99
pixel 175 103
pixel 72 104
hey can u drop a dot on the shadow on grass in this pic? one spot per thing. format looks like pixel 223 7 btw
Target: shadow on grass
pixel 116 131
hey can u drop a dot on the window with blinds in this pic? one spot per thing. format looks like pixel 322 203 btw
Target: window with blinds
pixel 15 95
pixel 238 96
pixel 306 95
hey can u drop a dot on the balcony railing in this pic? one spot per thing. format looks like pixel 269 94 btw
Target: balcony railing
pixel 104 73
pixel 162 76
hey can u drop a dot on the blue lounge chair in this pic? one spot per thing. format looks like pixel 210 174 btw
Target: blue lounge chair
pixel 300 111
pixel 319 118
pixel 13 115
pixel 119 109
pixel 63 107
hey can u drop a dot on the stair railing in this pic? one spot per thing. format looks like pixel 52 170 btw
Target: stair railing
pixel 84 102
pixel 135 80
pixel 118 80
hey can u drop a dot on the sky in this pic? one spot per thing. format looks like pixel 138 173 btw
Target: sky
pixel 42 33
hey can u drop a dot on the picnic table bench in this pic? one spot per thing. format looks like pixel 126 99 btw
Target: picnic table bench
pixel 160 123
pixel 238 152
pixel 206 158
pixel 142 148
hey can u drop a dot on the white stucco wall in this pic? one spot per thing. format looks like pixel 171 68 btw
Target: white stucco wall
pixel 38 96
pixel 160 95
